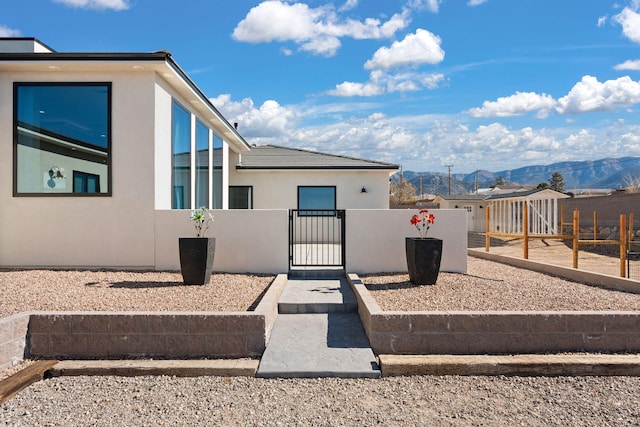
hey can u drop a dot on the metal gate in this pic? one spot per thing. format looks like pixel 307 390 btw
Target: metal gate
pixel 316 238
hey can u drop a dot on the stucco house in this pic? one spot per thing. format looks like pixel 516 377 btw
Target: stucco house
pixel 105 154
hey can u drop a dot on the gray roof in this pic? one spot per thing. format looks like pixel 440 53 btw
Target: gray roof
pixel 261 157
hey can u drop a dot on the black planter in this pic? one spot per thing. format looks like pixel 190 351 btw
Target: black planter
pixel 423 259
pixel 196 259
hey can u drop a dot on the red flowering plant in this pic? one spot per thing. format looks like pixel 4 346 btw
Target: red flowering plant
pixel 422 220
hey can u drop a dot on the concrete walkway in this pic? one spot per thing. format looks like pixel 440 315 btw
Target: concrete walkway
pixel 318 333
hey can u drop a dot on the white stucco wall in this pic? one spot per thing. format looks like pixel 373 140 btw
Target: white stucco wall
pixel 376 239
pixel 246 240
pixel 116 231
pixel 279 189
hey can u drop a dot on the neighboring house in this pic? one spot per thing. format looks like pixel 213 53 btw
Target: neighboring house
pixel 271 177
pixel 97 147
pixel 506 210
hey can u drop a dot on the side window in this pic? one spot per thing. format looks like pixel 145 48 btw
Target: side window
pixel 58 127
pixel 316 200
pixel 240 197
pixel 85 182
pixel 181 157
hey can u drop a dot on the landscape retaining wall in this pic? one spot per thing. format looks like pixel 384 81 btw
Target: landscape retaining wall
pixel 109 335
pixel 13 333
pixel 495 332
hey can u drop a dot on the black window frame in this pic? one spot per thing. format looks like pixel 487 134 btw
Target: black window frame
pixel 303 211
pixel 109 87
pixel 250 187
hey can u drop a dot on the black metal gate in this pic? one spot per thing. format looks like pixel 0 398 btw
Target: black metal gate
pixel 316 238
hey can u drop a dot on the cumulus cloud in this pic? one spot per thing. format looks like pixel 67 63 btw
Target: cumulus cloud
pixel 348 89
pixel 591 95
pixel 629 19
pixel 316 30
pixel 269 120
pixel 423 47
pixel 601 21
pixel 8 32
pixel 515 105
pixel 348 5
pixel 633 65
pixel 476 2
pixel 96 4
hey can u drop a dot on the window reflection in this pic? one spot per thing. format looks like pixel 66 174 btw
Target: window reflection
pixel 181 158
pixel 62 127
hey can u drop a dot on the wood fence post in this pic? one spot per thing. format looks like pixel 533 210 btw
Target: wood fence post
pixel 525 220
pixel 576 232
pixel 623 244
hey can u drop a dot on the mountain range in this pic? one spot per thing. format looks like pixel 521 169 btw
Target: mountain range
pixel 603 174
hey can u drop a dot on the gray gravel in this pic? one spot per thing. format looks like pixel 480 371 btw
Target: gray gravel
pixel 491 286
pixel 399 401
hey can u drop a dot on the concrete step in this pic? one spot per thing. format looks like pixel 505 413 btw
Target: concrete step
pixel 318 295
pixel 311 273
pixel 318 345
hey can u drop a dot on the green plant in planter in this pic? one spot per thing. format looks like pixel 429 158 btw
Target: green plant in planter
pixel 202 220
pixel 196 253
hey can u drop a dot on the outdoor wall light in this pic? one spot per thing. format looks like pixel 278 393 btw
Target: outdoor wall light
pixel 56 173
pixel 364 190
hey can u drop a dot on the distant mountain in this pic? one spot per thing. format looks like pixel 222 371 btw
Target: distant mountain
pixel 592 174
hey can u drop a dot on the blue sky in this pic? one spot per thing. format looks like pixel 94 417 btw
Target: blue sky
pixel 477 84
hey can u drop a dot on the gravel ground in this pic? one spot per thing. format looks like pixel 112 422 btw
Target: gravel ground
pixel 401 401
pixel 491 286
pixel 398 401
pixel 62 290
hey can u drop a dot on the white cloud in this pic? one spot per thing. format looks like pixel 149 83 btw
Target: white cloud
pixel 633 65
pixel 316 30
pixel 381 82
pixel 591 95
pixel 423 47
pixel 630 22
pixel 601 21
pixel 348 5
pixel 96 4
pixel 348 89
pixel 8 32
pixel 430 5
pixel 476 2
pixel 270 120
pixel 423 143
pixel 515 105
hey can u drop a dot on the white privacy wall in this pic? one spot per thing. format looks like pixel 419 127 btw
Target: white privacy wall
pixel 253 241
pixel 376 239
pixel 257 240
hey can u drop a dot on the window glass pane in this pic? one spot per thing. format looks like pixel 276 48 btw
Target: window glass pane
pixel 317 199
pixel 240 197
pixel 202 165
pixel 181 158
pixel 217 172
pixel 61 127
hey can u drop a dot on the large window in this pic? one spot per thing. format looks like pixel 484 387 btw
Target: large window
pixel 60 128
pixel 181 158
pixel 316 200
pixel 193 143
pixel 240 197
pixel 202 165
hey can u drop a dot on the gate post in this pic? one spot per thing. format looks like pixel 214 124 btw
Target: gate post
pixel 576 232
pixel 623 244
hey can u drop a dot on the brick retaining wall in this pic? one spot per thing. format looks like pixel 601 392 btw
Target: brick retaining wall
pixel 495 332
pixel 98 335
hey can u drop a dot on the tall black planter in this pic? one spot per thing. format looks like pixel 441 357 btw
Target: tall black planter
pixel 196 259
pixel 423 259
